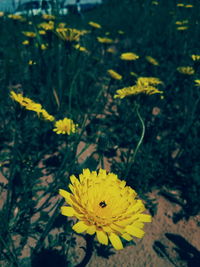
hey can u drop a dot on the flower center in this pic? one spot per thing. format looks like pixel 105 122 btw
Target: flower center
pixel 102 204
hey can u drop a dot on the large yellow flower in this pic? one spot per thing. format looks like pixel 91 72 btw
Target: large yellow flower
pixel 65 126
pixel 106 206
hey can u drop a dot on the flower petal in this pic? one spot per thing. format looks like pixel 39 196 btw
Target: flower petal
pixel 67 211
pixel 127 237
pixel 116 241
pixel 66 195
pixel 134 231
pixel 80 227
pixel 91 230
pixel 144 218
pixel 102 237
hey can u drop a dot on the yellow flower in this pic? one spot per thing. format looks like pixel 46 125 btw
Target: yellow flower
pixel 48 17
pixel 106 206
pixel 186 70
pixel 1 14
pixel 47 26
pixel 16 17
pixel 152 60
pixel 180 5
pixel 81 48
pixel 29 34
pixel 197 83
pixel 69 34
pixel 145 81
pixel 43 46
pixel 111 50
pixel 189 6
pixel 114 75
pixel 65 126
pixel 34 107
pixel 94 25
pixel 23 101
pixel 195 57
pixel 26 42
pixel 42 32
pixel 105 40
pixel 129 56
pixel 181 22
pixel 182 28
pixel 145 85
pixel 31 62
pixel 46 115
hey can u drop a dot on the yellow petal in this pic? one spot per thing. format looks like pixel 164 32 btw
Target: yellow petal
pixel 73 179
pixel 134 231
pixel 66 195
pixel 67 211
pixel 102 237
pixel 127 237
pixel 144 218
pixel 80 227
pixel 91 230
pixel 116 241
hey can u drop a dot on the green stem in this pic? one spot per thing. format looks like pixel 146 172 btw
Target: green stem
pixel 88 252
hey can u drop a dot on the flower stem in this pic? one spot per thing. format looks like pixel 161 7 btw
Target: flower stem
pixel 88 251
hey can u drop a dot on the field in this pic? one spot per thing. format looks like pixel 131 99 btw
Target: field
pixel 115 88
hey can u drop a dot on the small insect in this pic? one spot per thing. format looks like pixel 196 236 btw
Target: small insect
pixel 102 204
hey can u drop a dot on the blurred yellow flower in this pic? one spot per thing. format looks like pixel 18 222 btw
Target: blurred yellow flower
pixel 105 40
pixel 129 56
pixel 61 25
pixel 26 42
pixel 16 17
pixel 180 4
pixel 29 34
pixel 182 28
pixel 42 32
pixel 1 14
pixel 31 62
pixel 195 57
pixel 104 206
pixel 152 60
pixel 48 17
pixel 186 70
pixel 69 34
pixel 43 46
pixel 81 48
pixel 65 126
pixel 47 26
pixel 189 6
pixel 114 75
pixel 197 83
pixel 34 107
pixel 94 25
pixel 181 22
pixel 111 50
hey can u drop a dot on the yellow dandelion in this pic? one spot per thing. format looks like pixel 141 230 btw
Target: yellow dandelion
pixel 42 32
pixel 186 70
pixel 69 34
pixel 1 14
pixel 26 42
pixel 48 17
pixel 81 48
pixel 16 17
pixel 104 206
pixel 189 6
pixel 180 5
pixel 47 26
pixel 105 40
pixel 145 81
pixel 29 34
pixel 18 98
pixel 152 60
pixel 32 106
pixel 65 126
pixel 94 25
pixel 197 83
pixel 111 50
pixel 129 56
pixel 43 46
pixel 181 22
pixel 195 57
pixel 114 75
pixel 46 115
pixel 182 28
